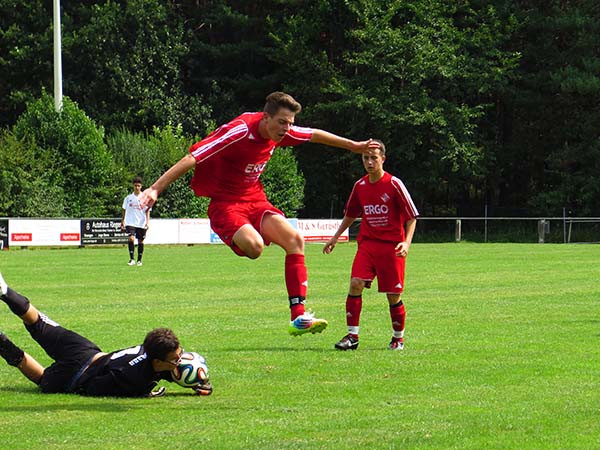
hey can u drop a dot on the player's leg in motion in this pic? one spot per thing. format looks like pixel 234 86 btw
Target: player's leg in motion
pixel 398 316
pixel 140 237
pixel 249 241
pixel 13 355
pixel 353 309
pixel 276 229
pixel 131 246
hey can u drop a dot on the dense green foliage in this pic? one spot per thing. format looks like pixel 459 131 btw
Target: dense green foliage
pixel 283 183
pixel 491 355
pixel 480 103
pixel 27 187
pixel 148 155
pixel 73 148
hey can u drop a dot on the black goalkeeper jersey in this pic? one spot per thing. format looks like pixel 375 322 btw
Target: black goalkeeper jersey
pixel 124 373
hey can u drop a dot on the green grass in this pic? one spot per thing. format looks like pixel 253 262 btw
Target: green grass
pixel 503 350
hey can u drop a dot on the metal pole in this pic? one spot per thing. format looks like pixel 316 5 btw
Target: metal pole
pixel 58 96
pixel 458 231
pixel 485 224
pixel 564 225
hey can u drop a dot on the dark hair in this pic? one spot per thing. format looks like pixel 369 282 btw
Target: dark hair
pixel 137 180
pixel 277 100
pixel 381 146
pixel 159 342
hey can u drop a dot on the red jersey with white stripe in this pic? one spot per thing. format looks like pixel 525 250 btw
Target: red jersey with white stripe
pixel 230 160
pixel 384 207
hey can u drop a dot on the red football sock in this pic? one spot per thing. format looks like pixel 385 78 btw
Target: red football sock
pixel 296 280
pixel 398 315
pixel 353 309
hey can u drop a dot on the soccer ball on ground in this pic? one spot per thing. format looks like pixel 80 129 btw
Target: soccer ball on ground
pixel 191 370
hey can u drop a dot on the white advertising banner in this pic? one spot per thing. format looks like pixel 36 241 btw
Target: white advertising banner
pixel 162 231
pixel 320 230
pixel 194 231
pixel 37 232
pixel 68 232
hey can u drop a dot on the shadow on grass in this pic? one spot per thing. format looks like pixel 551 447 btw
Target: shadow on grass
pixel 274 349
pixel 306 349
pixel 115 407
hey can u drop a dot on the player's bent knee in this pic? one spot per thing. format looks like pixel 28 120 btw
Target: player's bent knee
pixel 299 242
pixel 356 284
pixel 254 250
pixel 295 244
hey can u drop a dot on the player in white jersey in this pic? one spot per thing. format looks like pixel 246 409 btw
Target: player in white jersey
pixel 135 221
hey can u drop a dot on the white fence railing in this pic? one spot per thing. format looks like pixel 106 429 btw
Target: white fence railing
pixel 538 225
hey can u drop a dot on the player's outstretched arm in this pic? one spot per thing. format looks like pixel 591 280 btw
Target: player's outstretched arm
pixel 327 138
pixel 330 244
pixel 149 196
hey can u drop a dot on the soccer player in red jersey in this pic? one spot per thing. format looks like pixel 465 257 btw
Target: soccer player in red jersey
pixel 227 167
pixel 389 218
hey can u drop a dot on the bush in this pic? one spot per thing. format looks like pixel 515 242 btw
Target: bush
pixel 149 156
pixel 26 180
pixel 73 150
pixel 283 182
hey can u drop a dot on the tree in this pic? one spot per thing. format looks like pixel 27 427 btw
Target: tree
pixel 25 55
pixel 420 75
pixel 26 180
pixel 123 61
pixel 550 154
pixel 149 155
pixel 75 153
pixel 283 182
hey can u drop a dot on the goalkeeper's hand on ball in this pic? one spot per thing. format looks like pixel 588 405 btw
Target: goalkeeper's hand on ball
pixel 203 389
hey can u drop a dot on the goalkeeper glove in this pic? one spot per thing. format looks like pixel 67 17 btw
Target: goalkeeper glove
pixel 203 389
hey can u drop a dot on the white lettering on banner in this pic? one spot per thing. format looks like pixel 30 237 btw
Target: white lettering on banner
pixel 376 209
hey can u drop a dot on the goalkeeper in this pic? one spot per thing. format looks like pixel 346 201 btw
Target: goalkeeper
pixel 81 367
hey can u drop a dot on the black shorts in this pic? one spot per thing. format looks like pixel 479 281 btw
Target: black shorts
pixel 139 233
pixel 70 351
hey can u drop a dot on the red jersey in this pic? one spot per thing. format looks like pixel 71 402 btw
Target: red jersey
pixel 384 206
pixel 229 161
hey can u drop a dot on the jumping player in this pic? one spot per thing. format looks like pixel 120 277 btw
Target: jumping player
pixel 386 232
pixel 135 220
pixel 227 166
pixel 81 367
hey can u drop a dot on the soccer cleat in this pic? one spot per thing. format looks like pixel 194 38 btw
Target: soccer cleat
pixel 131 262
pixel 3 286
pixel 347 343
pixel 306 323
pixel 139 263
pixel 397 344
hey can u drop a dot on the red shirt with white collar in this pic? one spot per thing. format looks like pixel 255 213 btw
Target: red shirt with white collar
pixel 230 160
pixel 384 206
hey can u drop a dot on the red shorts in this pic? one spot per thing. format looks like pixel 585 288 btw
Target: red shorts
pixel 227 217
pixel 378 259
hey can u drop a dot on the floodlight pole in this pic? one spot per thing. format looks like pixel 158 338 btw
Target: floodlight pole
pixel 58 96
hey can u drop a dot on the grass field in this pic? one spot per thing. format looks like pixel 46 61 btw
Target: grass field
pixel 502 350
